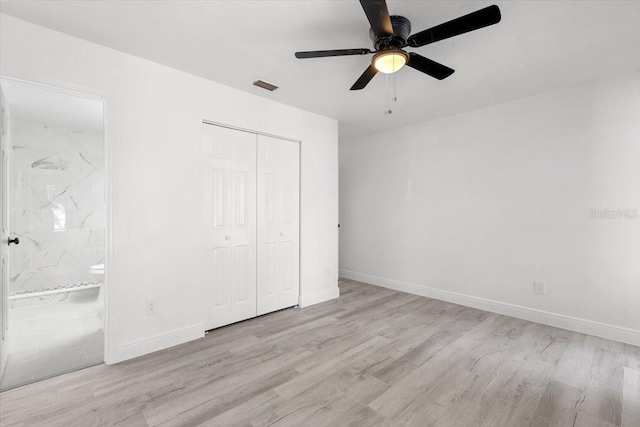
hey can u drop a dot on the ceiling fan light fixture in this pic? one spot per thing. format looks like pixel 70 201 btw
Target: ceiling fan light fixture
pixel 390 61
pixel 391 33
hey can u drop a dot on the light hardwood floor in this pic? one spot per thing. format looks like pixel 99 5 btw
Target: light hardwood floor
pixel 372 357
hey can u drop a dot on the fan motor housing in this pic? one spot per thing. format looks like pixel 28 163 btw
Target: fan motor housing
pixel 401 31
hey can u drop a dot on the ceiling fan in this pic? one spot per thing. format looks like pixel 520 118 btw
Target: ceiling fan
pixel 390 34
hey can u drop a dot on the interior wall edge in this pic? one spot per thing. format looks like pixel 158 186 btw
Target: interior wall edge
pixel 585 326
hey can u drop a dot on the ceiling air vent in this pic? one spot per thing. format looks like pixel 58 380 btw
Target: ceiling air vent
pixel 265 85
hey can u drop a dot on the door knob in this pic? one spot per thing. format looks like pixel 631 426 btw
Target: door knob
pixel 282 233
pixel 227 237
pixel 15 241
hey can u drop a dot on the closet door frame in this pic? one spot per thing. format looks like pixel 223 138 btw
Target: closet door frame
pixel 300 219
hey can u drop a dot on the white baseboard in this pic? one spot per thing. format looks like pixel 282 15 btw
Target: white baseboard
pixel 155 343
pixel 589 327
pixel 318 297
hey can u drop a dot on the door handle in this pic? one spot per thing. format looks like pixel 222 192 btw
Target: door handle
pixel 227 237
pixel 15 241
pixel 282 233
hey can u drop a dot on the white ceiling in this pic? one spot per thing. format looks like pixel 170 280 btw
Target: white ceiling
pixel 35 105
pixel 538 46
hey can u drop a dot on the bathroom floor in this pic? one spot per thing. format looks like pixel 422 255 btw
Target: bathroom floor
pixel 48 339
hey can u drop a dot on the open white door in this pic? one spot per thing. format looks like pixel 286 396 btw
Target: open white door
pixel 278 224
pixel 4 232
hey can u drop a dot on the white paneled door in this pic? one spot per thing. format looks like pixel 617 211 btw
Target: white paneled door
pixel 278 223
pixel 230 225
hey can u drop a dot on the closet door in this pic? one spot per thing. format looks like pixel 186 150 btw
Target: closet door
pixel 278 223
pixel 230 225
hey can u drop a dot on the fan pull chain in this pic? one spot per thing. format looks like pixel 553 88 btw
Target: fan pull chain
pixel 392 94
pixel 386 76
pixel 395 93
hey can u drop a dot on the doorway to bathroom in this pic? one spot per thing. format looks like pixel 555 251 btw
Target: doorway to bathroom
pixel 53 232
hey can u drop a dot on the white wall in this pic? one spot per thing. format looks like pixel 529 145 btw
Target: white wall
pixel 473 208
pixel 154 116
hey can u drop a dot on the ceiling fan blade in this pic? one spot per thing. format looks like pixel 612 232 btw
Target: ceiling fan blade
pixel 429 67
pixel 378 16
pixel 365 78
pixel 336 52
pixel 473 21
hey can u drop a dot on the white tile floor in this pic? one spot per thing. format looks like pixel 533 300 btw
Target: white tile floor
pixel 53 338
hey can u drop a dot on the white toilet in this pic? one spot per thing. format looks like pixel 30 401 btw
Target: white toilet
pixel 97 269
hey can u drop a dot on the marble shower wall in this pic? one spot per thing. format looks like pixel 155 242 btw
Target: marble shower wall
pixel 57 206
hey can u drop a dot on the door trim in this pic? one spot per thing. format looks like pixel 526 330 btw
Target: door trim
pixel 222 125
pixel 110 201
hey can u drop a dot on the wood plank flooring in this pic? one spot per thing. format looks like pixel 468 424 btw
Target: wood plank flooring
pixel 631 398
pixel 373 357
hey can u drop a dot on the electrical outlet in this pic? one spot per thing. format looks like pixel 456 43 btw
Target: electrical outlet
pixel 151 306
pixel 539 287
